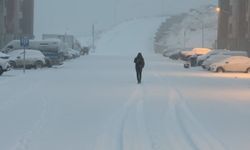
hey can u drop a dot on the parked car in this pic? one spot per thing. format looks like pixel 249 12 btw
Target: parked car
pixel 74 53
pixel 33 58
pixel 4 65
pixel 168 52
pixel 221 56
pixel 202 58
pixel 195 51
pixel 232 64
pixel 85 50
pixel 175 55
pixel 70 53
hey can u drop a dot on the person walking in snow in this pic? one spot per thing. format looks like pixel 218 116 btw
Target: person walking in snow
pixel 139 64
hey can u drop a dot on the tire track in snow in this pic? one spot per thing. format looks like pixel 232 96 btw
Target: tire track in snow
pixel 184 130
pixel 24 141
pixel 193 129
pixel 127 130
pixel 163 124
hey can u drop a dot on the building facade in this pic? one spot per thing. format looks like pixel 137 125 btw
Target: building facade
pixel 2 23
pixel 234 25
pixel 17 20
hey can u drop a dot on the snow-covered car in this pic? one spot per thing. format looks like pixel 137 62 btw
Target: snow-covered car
pixel 74 53
pixel 67 54
pixel 33 58
pixel 213 59
pixel 85 50
pixel 202 58
pixel 232 64
pixel 4 65
pixel 194 51
pixel 175 55
pixel 70 53
pixel 170 51
pixel 221 56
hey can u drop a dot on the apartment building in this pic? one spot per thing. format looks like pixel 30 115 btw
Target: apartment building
pixel 2 23
pixel 234 25
pixel 17 19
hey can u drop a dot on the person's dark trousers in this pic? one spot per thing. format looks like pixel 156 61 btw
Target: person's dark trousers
pixel 138 74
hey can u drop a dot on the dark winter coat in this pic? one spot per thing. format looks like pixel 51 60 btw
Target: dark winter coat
pixel 139 62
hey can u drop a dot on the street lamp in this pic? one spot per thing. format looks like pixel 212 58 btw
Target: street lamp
pixel 218 9
pixel 202 24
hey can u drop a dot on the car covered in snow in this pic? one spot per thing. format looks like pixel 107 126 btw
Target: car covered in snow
pixel 85 50
pixel 33 58
pixel 232 64
pixel 70 53
pixel 74 53
pixel 4 65
pixel 195 51
pixel 202 58
pixel 221 56
pixel 169 51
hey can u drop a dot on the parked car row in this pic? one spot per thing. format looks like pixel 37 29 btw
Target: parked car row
pixel 39 53
pixel 217 60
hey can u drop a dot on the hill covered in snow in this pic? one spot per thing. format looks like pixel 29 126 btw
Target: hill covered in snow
pixel 129 37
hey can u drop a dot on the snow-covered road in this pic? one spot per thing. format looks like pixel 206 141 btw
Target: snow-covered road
pixel 94 103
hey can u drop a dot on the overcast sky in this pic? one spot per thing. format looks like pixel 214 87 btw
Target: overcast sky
pixel 77 16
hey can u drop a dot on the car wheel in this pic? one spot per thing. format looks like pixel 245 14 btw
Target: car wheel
pixel 1 71
pixel 220 70
pixel 48 63
pixel 12 64
pixel 38 64
pixel 248 70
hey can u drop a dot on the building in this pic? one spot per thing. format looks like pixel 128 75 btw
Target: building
pixel 2 23
pixel 17 20
pixel 222 35
pixel 27 20
pixel 234 25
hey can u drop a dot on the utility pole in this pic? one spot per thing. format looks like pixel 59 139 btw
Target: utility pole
pixel 202 22
pixel 93 37
pixel 184 39
pixel 24 42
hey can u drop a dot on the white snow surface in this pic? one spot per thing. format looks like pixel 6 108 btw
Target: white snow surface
pixel 118 42
pixel 94 103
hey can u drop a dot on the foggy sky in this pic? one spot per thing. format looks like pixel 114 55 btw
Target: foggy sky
pixel 76 16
